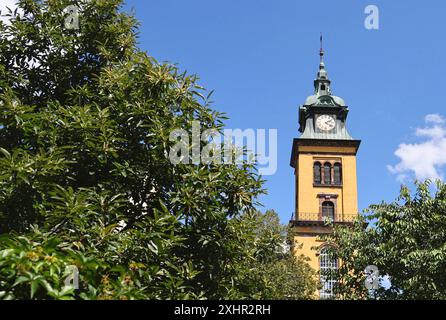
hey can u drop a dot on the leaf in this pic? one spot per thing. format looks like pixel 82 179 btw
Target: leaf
pixel 152 247
pixel 5 253
pixel 34 287
pixel 20 280
pixel 5 153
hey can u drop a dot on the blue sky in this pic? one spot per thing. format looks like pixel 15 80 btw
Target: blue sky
pixel 261 57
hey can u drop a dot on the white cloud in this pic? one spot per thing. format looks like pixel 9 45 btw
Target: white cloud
pixel 11 4
pixel 435 132
pixel 425 160
pixel 434 118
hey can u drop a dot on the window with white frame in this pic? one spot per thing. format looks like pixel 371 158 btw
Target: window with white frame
pixel 327 264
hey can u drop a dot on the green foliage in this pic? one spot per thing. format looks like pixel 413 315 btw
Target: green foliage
pixel 85 119
pixel 405 239
pixel 289 278
pixel 33 269
pixel 266 266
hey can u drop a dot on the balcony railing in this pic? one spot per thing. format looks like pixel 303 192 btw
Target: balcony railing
pixel 338 217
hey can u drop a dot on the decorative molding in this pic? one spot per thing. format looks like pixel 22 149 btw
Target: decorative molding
pixel 320 185
pixel 324 143
pixel 328 196
pixel 327 142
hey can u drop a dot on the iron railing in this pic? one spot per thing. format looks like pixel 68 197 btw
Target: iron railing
pixel 338 217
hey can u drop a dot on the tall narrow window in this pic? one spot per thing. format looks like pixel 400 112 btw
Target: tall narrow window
pixel 328 210
pixel 337 173
pixel 327 173
pixel 327 265
pixel 317 173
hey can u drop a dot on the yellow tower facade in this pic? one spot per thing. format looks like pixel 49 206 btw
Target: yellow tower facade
pixel 324 162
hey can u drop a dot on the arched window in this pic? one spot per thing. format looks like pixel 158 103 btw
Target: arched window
pixel 337 173
pixel 327 173
pixel 327 266
pixel 317 173
pixel 328 210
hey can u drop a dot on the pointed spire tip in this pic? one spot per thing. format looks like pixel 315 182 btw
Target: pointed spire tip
pixel 321 51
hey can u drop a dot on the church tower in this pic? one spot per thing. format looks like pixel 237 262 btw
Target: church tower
pixel 324 162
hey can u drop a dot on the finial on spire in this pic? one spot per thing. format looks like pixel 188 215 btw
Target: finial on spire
pixel 321 52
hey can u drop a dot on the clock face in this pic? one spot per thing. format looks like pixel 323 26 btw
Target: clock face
pixel 326 122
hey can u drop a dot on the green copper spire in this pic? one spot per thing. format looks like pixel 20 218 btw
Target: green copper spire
pixel 326 106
